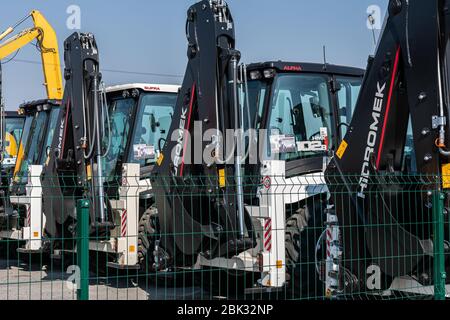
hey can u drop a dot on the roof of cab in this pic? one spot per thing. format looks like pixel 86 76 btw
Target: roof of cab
pixel 13 114
pixel 305 67
pixel 150 87
pixel 30 107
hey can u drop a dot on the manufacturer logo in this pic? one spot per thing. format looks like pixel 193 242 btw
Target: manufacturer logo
pixel 371 139
pixel 60 137
pixel 152 88
pixel 292 68
pixel 179 146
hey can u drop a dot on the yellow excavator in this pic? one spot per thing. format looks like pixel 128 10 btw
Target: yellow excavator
pixel 47 44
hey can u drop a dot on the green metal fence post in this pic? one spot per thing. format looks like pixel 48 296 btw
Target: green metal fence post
pixel 83 248
pixel 438 245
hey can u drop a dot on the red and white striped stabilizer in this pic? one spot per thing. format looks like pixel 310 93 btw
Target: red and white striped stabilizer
pixel 268 235
pixel 28 216
pixel 329 239
pixel 124 223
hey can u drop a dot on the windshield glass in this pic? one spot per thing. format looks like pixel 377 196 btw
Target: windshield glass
pixel 409 156
pixel 120 111
pixel 300 118
pixel 252 99
pixel 34 143
pixel 347 97
pixel 256 96
pixel 23 141
pixel 152 125
pixel 13 134
pixel 49 135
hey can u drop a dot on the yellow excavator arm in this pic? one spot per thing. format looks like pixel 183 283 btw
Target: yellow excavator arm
pixel 47 43
pixel 48 47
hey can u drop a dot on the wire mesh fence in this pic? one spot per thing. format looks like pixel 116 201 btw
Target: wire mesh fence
pixel 164 238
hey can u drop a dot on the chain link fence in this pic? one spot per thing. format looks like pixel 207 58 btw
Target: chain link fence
pixel 298 238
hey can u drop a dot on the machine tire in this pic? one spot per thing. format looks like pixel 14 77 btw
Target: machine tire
pixel 303 229
pixel 145 245
pixel 148 228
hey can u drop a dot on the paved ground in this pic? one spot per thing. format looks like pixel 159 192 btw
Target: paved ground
pixel 46 281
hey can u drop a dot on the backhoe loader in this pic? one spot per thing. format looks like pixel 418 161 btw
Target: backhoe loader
pixel 384 221
pixel 40 122
pixel 139 115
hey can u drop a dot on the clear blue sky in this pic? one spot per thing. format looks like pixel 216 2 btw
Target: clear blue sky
pixel 148 36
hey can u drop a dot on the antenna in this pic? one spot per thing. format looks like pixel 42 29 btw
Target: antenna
pixel 324 58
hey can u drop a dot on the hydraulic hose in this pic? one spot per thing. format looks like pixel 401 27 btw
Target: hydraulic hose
pixel 105 107
pixel 246 105
pixel 100 180
pixel 441 140
pixel 87 133
pixel 238 167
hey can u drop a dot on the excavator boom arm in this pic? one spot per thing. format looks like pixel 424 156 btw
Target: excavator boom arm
pixel 48 47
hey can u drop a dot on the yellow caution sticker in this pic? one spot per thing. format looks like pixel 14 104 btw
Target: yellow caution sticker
pixel 35 234
pixel 341 150
pixel 89 172
pixel 222 182
pixel 160 159
pixel 19 160
pixel 132 249
pixel 446 176
pixel 279 264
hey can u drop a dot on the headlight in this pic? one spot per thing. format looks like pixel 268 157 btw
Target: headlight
pixel 269 73
pixel 255 75
pixel 135 93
